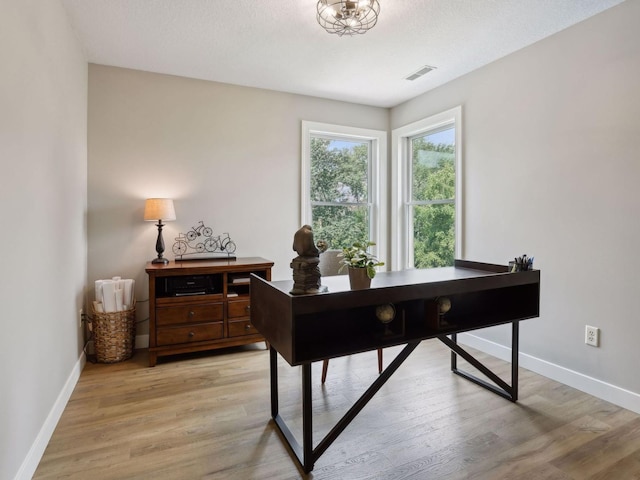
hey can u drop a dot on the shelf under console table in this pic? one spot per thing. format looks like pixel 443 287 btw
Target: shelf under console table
pixel 200 305
pixel 308 328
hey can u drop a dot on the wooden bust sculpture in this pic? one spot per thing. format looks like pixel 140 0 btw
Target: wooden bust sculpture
pixel 306 274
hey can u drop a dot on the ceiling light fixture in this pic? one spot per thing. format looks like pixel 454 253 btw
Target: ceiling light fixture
pixel 344 17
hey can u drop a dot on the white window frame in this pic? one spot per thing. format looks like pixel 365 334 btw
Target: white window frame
pixel 401 239
pixel 377 171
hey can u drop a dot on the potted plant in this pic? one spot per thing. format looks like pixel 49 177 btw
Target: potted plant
pixel 360 262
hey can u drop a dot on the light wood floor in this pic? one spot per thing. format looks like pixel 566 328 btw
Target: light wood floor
pixel 208 416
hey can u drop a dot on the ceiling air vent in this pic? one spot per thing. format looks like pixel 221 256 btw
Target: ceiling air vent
pixel 423 71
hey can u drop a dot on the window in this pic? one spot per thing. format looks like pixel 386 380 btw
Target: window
pixel 342 173
pixel 427 200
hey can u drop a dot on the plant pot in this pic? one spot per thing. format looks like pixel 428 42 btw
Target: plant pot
pixel 358 278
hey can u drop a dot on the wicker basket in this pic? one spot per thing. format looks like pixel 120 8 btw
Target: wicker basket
pixel 114 335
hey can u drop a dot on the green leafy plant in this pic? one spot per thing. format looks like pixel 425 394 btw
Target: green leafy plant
pixel 358 256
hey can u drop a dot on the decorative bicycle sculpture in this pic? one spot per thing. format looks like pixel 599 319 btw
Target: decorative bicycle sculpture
pixel 200 239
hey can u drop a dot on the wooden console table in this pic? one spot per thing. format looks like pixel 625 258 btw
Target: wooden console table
pixel 307 328
pixel 201 304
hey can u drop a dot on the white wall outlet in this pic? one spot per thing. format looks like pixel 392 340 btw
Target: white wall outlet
pixel 592 335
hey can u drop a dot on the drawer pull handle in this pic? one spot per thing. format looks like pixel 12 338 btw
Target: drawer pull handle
pixel 247 308
pixel 191 334
pixel 247 326
pixel 192 313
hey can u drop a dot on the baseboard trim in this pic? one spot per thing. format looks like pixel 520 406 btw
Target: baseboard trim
pixel 31 461
pixel 603 390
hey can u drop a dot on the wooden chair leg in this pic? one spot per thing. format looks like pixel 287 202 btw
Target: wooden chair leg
pixel 325 366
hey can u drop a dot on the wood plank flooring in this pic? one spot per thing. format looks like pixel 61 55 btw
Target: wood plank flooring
pixel 207 416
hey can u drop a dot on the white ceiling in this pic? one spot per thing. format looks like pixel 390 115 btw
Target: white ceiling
pixel 278 45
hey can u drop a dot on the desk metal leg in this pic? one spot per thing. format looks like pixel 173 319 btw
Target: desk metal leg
pixel 273 369
pixel 303 456
pixel 515 349
pixel 501 387
pixel 306 455
pixel 308 458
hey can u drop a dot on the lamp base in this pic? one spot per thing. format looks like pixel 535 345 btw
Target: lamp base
pixel 160 247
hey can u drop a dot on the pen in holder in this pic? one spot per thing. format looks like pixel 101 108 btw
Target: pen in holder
pixel 521 264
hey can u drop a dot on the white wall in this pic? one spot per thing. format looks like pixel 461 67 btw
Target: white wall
pixel 43 131
pixel 551 168
pixel 227 155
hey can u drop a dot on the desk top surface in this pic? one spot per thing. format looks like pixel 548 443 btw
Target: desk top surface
pixel 463 270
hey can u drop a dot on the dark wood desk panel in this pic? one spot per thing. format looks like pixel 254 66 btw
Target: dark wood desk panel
pixel 341 321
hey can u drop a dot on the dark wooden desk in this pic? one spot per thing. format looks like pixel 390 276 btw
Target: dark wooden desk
pixel 308 328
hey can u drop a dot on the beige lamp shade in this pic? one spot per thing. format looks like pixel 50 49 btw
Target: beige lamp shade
pixel 159 209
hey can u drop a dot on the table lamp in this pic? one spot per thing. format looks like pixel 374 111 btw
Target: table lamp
pixel 159 209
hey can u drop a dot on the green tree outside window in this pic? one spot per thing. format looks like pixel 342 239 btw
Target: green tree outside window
pixel 433 203
pixel 339 191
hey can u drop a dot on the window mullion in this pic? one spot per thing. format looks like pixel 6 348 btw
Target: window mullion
pixel 341 204
pixel 446 201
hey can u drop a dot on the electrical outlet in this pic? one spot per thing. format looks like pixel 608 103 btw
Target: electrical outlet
pixel 591 335
pixel 80 317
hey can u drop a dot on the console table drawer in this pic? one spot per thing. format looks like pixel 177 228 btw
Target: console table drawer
pixel 190 333
pixel 239 309
pixel 243 327
pixel 190 314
